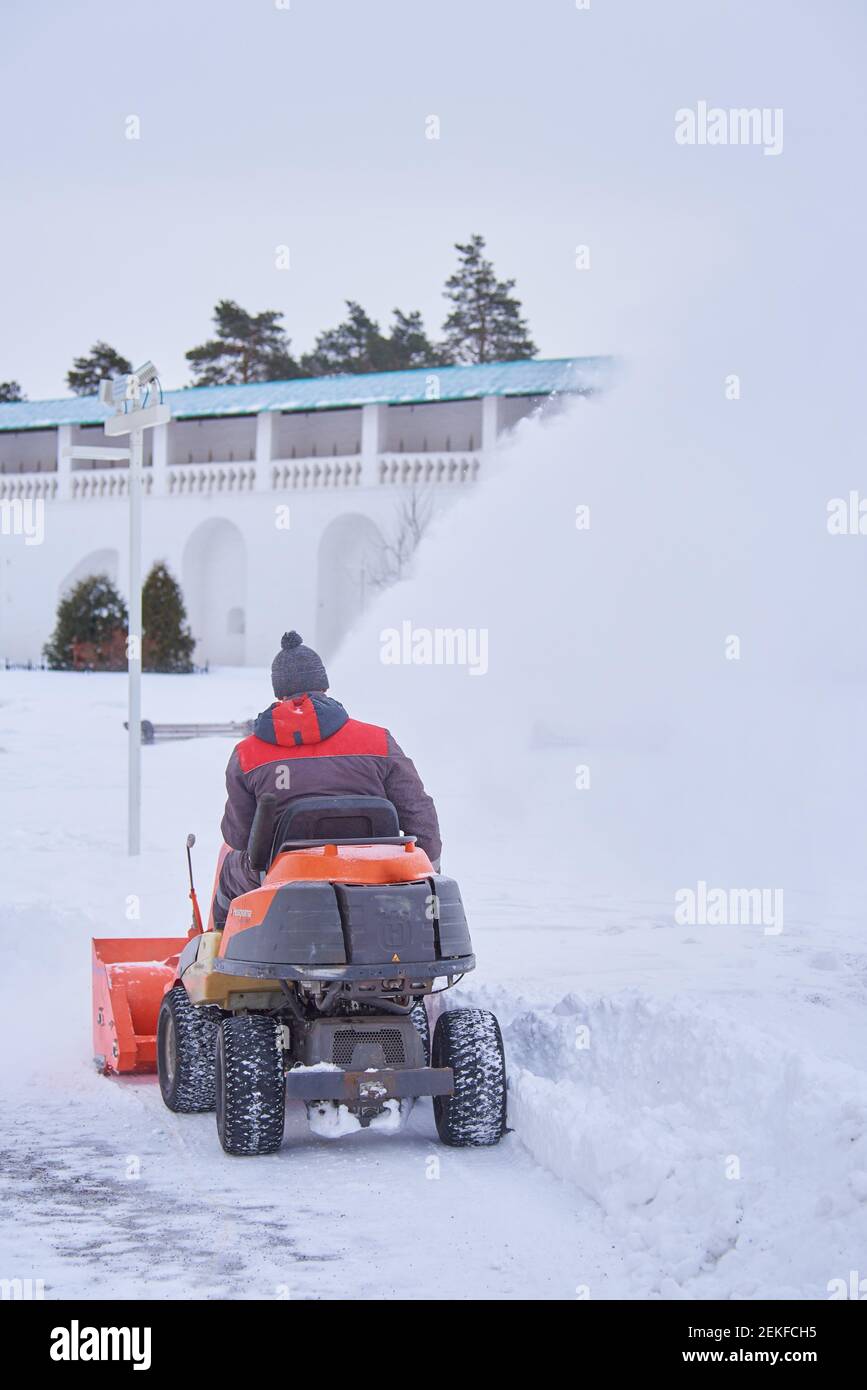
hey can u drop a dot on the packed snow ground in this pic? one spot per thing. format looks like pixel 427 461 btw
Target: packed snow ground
pixel 650 1064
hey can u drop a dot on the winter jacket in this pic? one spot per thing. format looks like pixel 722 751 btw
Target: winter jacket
pixel 308 746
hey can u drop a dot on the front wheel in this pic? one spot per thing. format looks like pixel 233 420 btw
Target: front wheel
pixel 186 1038
pixel 469 1041
pixel 251 1087
pixel 421 1024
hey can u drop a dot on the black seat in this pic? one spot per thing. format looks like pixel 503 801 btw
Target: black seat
pixel 350 818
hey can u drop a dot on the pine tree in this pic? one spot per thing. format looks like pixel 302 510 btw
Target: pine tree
pixel 11 391
pixel 87 372
pixel 356 345
pixel 359 345
pixel 168 643
pixel 485 324
pixel 408 344
pixel 90 629
pixel 248 347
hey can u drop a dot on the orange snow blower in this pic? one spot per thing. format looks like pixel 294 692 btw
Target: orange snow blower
pixel 128 989
pixel 129 981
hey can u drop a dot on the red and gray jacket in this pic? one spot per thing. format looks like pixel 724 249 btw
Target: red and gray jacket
pixel 308 746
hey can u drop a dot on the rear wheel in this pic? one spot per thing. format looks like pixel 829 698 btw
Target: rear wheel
pixel 186 1041
pixel 469 1041
pixel 251 1088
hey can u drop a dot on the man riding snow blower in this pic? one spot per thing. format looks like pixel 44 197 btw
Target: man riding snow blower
pixel 305 744
pixel 331 928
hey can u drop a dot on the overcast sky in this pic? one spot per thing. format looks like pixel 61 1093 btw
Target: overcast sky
pixel 306 127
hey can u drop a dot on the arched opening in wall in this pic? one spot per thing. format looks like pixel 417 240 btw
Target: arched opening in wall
pixel 214 570
pixel 97 562
pixel 350 550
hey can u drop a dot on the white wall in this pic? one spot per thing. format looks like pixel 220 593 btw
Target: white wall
pixel 232 550
pixel 214 580
pixel 348 553
pixel 228 552
pixel 106 561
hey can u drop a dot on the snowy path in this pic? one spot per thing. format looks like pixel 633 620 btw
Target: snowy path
pixel 369 1217
pixel 689 1106
pixel 628 1113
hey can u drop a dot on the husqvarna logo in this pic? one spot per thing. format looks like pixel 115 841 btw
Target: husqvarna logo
pixel 395 933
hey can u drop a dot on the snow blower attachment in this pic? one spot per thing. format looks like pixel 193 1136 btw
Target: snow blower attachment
pixel 130 977
pixel 127 992
pixel 315 989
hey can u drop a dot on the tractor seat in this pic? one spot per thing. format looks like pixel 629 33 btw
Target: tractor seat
pixel 361 818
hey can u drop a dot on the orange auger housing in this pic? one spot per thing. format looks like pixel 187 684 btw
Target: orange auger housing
pixel 127 992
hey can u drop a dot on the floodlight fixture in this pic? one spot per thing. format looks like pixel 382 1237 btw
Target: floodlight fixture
pixel 121 392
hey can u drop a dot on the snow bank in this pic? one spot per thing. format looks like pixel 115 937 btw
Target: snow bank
pixel 728 1164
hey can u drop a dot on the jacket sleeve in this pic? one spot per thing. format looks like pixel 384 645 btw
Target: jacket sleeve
pixel 240 806
pixel 416 810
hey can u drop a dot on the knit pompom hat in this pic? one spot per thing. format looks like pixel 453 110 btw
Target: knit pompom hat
pixel 296 668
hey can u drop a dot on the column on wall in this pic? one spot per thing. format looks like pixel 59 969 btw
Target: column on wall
pixel 265 420
pixel 160 464
pixel 64 463
pixel 490 422
pixel 374 422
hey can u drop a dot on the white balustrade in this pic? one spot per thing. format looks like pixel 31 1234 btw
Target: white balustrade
pixel 13 485
pixel 429 469
pixel 210 479
pixel 102 483
pixel 216 479
pixel 334 472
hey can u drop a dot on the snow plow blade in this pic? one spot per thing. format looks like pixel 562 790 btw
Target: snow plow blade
pixel 130 977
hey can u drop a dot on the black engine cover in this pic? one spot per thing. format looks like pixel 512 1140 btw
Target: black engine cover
pixel 350 924
pixel 301 926
pixel 389 923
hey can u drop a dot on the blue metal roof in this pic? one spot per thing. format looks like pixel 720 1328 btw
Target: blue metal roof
pixel 528 378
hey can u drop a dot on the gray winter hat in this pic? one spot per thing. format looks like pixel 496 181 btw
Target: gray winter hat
pixel 296 668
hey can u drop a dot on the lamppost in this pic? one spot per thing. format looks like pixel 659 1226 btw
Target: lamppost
pixel 130 397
